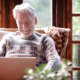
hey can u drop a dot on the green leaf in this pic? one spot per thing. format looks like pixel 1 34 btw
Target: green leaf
pixel 67 61
pixel 40 68
pixel 49 71
pixel 26 71
pixel 37 70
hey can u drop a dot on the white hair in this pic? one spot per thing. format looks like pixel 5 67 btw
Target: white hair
pixel 24 7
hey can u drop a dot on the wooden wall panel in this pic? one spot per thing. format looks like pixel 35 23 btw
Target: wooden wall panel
pixel 54 12
pixel 64 13
pixel 11 14
pixel 7 13
pixel 68 24
pixel 7 20
pixel 2 14
pixel 59 13
pixel 15 3
pixel 18 2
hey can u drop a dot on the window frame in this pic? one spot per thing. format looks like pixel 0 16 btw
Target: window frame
pixel 71 15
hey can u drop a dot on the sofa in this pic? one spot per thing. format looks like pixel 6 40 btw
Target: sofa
pixel 59 35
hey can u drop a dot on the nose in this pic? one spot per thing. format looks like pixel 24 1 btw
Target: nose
pixel 24 25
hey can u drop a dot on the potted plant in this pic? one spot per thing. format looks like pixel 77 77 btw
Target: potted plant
pixel 39 74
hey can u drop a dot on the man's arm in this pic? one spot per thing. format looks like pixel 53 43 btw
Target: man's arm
pixel 51 54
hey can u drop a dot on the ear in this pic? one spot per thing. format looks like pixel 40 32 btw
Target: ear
pixel 35 20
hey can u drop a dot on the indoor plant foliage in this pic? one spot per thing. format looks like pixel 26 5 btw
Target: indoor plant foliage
pixel 40 74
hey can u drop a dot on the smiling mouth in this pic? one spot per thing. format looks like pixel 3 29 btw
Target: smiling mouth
pixel 26 30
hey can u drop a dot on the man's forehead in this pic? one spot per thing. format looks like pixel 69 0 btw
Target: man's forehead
pixel 27 16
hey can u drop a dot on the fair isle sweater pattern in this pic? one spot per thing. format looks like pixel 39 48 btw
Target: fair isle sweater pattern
pixel 38 45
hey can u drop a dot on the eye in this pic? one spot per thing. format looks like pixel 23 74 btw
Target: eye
pixel 20 23
pixel 28 22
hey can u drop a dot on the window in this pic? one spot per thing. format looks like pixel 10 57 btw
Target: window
pixel 76 38
pixel 43 12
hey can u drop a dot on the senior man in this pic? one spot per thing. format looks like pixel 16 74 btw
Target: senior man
pixel 28 43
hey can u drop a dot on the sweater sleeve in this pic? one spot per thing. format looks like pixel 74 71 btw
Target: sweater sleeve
pixel 51 54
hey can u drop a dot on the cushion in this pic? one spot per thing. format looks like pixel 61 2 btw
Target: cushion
pixel 64 33
pixel 60 37
pixel 55 35
pixel 2 33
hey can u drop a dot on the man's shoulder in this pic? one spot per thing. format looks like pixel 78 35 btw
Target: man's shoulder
pixel 43 37
pixel 8 35
pixel 41 34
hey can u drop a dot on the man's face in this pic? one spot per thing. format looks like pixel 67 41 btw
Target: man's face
pixel 26 24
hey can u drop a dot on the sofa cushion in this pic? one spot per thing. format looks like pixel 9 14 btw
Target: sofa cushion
pixel 2 33
pixel 60 37
pixel 64 33
pixel 55 35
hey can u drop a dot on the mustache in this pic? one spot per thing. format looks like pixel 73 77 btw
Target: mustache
pixel 25 29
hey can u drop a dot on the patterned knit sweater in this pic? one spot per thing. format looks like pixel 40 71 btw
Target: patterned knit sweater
pixel 38 45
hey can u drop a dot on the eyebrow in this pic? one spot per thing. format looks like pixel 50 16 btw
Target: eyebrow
pixel 27 19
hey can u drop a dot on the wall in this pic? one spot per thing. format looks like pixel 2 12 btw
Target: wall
pixel 6 17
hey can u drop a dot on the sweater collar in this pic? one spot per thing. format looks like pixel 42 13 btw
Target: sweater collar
pixel 28 38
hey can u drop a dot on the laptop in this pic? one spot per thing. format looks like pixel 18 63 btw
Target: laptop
pixel 14 68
